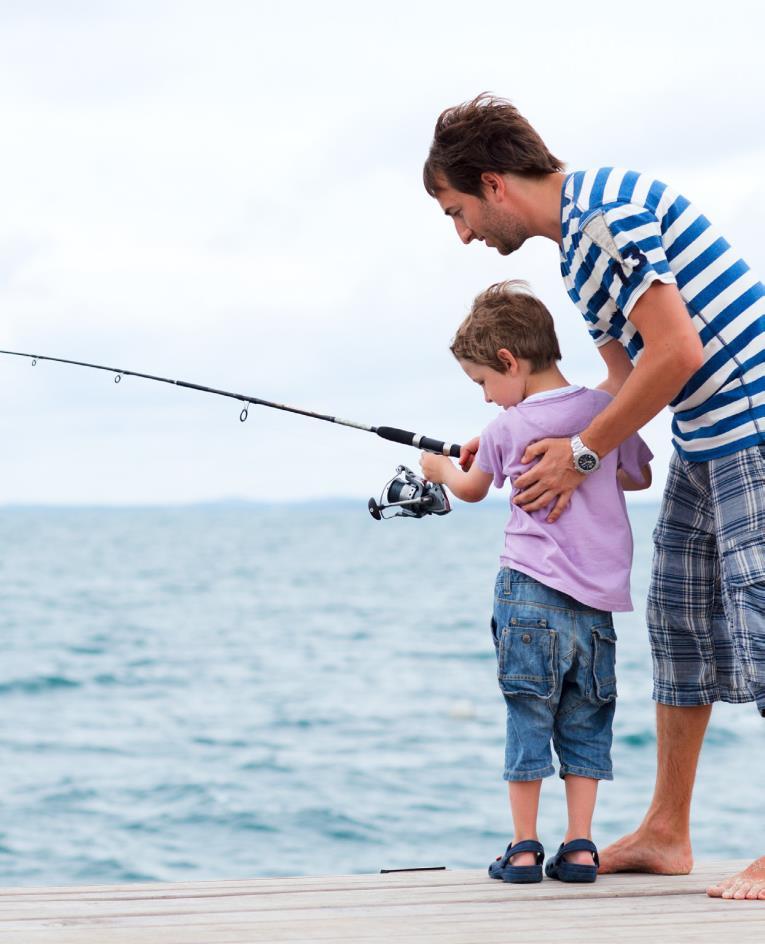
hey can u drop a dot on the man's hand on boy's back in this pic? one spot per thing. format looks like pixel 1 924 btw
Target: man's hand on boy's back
pixel 552 477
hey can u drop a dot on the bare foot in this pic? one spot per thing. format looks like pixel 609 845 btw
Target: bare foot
pixel 579 858
pixel 749 884
pixel 644 851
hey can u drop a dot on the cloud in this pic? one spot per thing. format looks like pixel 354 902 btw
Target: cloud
pixel 233 196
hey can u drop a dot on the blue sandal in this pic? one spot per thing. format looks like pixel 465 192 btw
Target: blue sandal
pixel 519 874
pixel 565 871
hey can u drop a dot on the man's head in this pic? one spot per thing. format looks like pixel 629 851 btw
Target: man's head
pixel 482 152
pixel 508 335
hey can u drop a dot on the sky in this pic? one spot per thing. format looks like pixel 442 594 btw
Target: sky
pixel 231 194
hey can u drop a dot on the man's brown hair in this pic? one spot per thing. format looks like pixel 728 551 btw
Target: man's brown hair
pixel 507 315
pixel 485 134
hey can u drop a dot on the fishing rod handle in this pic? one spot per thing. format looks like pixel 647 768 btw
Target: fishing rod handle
pixel 407 438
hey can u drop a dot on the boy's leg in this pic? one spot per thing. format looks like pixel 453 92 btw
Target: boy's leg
pixel 527 673
pixel 584 722
pixel 524 805
pixel 581 793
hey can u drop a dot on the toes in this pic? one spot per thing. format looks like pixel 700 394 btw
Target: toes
pixel 741 891
pixel 715 891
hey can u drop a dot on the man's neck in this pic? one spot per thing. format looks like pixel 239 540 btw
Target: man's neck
pixel 541 199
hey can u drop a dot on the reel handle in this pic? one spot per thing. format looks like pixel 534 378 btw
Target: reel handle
pixel 407 438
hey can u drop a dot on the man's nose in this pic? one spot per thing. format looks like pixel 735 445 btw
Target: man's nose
pixel 464 232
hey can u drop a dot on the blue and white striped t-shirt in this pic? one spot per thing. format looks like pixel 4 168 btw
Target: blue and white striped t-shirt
pixel 622 231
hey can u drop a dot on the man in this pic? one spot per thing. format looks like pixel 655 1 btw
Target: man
pixel 679 320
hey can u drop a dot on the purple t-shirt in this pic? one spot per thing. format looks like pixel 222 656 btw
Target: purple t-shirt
pixel 587 552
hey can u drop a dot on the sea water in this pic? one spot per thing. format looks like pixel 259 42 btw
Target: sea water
pixel 230 691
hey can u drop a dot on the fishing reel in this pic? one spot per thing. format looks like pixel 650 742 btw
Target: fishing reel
pixel 410 496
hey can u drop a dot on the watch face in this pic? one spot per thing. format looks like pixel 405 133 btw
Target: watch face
pixel 586 463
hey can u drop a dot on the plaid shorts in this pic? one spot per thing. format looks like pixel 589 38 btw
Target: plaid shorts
pixel 706 602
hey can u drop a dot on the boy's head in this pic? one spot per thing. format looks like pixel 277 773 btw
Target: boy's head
pixel 509 333
pixel 507 315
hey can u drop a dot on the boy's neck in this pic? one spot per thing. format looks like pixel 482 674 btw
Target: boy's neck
pixel 548 379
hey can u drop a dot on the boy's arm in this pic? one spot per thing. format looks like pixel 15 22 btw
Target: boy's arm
pixel 470 486
pixel 629 484
pixel 618 365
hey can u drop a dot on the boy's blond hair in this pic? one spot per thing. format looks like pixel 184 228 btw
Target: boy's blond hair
pixel 507 315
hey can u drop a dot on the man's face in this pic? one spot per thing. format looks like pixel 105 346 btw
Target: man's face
pixel 490 221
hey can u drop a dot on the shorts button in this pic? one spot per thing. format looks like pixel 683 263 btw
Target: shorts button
pixel 526 637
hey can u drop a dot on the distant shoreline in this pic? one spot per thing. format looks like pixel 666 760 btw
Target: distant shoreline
pixel 223 503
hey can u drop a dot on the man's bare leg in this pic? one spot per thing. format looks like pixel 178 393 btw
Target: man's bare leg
pixel 662 842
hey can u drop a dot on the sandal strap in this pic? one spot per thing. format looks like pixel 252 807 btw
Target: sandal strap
pixel 579 845
pixel 526 845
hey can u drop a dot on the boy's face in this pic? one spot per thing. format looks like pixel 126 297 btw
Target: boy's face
pixel 505 389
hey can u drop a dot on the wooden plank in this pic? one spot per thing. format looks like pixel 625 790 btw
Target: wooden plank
pixel 702 875
pixel 449 907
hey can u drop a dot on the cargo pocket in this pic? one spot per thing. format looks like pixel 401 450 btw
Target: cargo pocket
pixel 743 578
pixel 527 658
pixel 743 561
pixel 494 637
pixel 603 662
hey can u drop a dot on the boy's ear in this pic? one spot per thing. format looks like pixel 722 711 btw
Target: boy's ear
pixel 509 361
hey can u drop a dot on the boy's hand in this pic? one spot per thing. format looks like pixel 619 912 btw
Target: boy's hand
pixel 435 468
pixel 468 452
pixel 469 486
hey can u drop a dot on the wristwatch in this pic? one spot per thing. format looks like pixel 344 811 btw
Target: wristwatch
pixel 585 460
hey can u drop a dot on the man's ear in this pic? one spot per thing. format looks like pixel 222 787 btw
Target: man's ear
pixel 493 185
pixel 509 361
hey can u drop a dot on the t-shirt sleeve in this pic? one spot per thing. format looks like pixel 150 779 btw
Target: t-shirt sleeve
pixel 625 249
pixel 633 455
pixel 490 455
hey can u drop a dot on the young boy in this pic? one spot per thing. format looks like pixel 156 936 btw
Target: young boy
pixel 558 583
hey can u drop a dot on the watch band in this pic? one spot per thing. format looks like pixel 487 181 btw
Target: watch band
pixel 585 460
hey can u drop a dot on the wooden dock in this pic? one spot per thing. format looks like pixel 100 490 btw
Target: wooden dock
pixel 452 907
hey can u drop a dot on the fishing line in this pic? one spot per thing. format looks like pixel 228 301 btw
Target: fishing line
pixel 391 433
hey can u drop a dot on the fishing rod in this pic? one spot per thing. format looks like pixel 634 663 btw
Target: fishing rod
pixel 406 492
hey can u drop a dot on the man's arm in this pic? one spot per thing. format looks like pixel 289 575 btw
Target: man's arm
pixel 671 355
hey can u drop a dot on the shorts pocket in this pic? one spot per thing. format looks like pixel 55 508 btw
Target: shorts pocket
pixel 527 658
pixel 743 562
pixel 603 662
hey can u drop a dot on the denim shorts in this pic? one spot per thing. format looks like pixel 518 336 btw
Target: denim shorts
pixel 706 602
pixel 556 669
